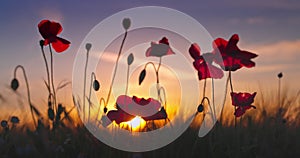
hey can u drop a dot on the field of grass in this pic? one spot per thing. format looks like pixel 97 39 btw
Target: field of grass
pixel 272 130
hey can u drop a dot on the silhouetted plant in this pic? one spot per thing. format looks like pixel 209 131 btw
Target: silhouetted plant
pixel 15 85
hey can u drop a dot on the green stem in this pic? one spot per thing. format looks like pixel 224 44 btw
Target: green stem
pixel 28 91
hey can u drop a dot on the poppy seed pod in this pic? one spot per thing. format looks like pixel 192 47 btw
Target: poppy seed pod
pixel 88 46
pixel 50 114
pixel 280 75
pixel 200 108
pixel 96 85
pixel 105 109
pixel 60 109
pixel 130 59
pixel 14 119
pixel 14 84
pixel 4 124
pixel 126 23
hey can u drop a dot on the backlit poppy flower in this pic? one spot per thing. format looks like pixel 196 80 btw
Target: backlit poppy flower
pixel 203 64
pixel 233 57
pixel 243 101
pixel 49 31
pixel 129 107
pixel 159 49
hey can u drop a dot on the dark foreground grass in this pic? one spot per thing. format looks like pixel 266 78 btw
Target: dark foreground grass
pixel 270 138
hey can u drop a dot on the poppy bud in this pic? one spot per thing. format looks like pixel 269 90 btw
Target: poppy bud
pixel 88 46
pixel 200 108
pixel 142 76
pixel 49 103
pixel 14 84
pixel 4 124
pixel 126 23
pixel 42 43
pixel 280 75
pixel 60 109
pixel 14 119
pixel 130 59
pixel 50 114
pixel 96 85
pixel 105 109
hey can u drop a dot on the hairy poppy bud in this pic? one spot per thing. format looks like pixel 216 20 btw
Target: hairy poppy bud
pixel 126 23
pixel 14 84
pixel 130 59
pixel 50 114
pixel 4 124
pixel 14 119
pixel 96 85
pixel 42 43
pixel 200 108
pixel 280 75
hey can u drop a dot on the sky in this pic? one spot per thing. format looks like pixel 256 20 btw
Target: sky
pixel 268 28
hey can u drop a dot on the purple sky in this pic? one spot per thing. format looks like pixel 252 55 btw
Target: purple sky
pixel 269 28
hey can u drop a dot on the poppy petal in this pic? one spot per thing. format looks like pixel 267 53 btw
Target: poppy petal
pixel 195 51
pixel 60 44
pixel 49 28
pixel 164 40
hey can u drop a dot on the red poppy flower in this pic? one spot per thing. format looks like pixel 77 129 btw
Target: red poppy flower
pixel 129 107
pixel 203 64
pixel 243 101
pixel 233 57
pixel 49 31
pixel 159 49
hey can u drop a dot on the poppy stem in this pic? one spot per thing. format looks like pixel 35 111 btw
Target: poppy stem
pixel 116 67
pixel 204 88
pixel 93 77
pixel 127 80
pixel 157 78
pixel 52 76
pixel 224 100
pixel 84 82
pixel 98 111
pixel 279 87
pixel 28 91
pixel 47 69
pixel 231 88
pixel 213 97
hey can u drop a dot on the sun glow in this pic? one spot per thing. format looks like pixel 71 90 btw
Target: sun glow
pixel 136 124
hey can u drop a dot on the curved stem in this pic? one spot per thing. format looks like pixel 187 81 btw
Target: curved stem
pixel 28 91
pixel 93 77
pixel 47 69
pixel 116 67
pixel 157 78
pixel 84 82
pixel 52 76
pixel 98 111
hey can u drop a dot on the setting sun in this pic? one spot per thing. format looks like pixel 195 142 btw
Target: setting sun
pixel 136 123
